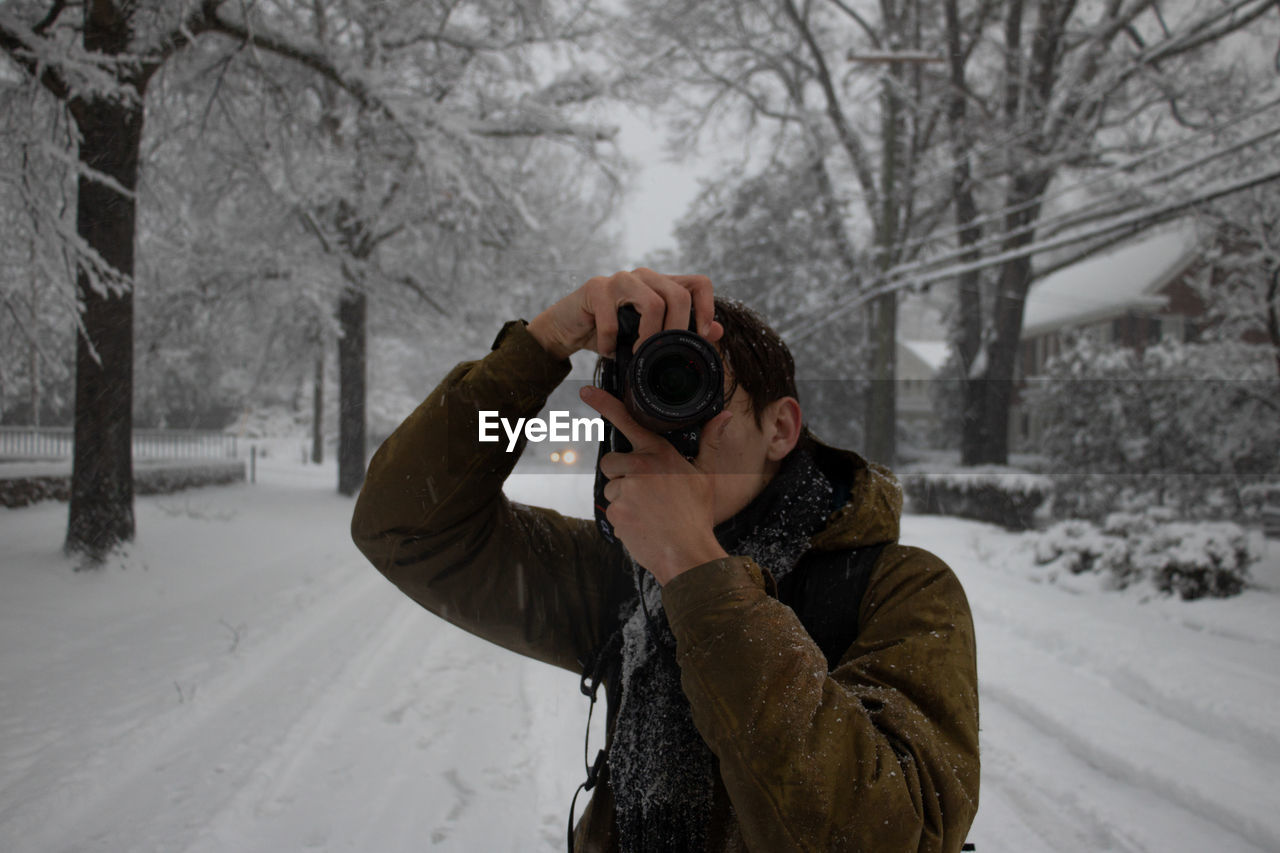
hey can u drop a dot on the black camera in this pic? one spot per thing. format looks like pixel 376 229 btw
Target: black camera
pixel 672 385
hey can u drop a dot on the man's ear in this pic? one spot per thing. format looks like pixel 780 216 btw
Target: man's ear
pixel 781 423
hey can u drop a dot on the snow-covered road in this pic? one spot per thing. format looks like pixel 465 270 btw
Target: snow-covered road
pixel 244 681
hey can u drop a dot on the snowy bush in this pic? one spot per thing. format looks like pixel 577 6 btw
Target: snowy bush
pixel 1185 426
pixel 997 494
pixel 1192 559
pixel 156 479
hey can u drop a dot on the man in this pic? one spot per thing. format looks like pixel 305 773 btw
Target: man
pixel 730 728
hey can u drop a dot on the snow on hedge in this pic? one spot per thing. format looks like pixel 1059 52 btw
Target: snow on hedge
pixel 994 493
pixel 1002 477
pixel 1194 559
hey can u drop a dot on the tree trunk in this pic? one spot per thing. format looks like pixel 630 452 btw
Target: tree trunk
pixel 968 332
pixel 100 515
pixel 881 415
pixel 882 394
pixel 1273 316
pixel 317 410
pixel 989 384
pixel 33 373
pixel 352 312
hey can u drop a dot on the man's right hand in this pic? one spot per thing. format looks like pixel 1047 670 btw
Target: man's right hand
pixel 588 317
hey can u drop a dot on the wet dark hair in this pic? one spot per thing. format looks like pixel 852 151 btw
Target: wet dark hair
pixel 755 357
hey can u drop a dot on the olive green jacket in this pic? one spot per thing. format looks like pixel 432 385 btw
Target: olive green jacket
pixel 878 754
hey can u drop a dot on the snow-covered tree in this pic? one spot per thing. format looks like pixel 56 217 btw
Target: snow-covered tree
pixel 842 86
pixel 37 319
pixel 1185 426
pixel 1041 95
pixel 767 240
pixel 405 69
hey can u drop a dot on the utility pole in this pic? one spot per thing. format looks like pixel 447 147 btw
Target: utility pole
pixel 882 397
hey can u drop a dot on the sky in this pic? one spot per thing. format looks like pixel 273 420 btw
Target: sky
pixel 661 188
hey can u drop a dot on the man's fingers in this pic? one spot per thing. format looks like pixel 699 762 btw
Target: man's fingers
pixel 628 289
pixel 613 411
pixel 600 305
pixel 704 305
pixel 614 465
pixel 612 491
pixel 677 298
pixel 663 302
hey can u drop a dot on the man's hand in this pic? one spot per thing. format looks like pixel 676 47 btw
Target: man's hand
pixel 588 317
pixel 661 506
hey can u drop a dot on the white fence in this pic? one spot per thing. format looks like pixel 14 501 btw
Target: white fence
pixel 57 443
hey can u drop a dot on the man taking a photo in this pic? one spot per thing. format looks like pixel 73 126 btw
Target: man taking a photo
pixel 781 674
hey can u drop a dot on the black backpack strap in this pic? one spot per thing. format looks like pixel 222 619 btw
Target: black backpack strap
pixel 602 667
pixel 826 592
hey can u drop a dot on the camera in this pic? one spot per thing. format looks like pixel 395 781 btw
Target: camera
pixel 672 385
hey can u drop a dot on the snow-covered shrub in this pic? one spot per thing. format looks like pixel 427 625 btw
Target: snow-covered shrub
pixel 998 494
pixel 155 479
pixel 1196 559
pixel 1192 559
pixel 1185 426
pixel 1079 546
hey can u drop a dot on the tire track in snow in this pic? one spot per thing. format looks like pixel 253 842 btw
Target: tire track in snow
pixel 173 770
pixel 1168 735
pixel 1184 707
pixel 424 740
pixel 1127 742
pixel 278 780
pixel 132 667
pixel 1066 804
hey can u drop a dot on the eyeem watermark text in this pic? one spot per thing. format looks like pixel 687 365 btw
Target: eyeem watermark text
pixel 559 427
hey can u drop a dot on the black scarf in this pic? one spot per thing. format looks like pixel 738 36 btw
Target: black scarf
pixel 663 774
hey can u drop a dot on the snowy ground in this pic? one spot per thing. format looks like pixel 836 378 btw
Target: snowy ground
pixel 243 681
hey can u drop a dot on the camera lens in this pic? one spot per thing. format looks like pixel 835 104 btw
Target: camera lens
pixel 675 380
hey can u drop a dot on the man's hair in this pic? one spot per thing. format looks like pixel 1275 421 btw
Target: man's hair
pixel 754 356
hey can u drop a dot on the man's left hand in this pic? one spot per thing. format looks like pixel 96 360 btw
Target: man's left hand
pixel 661 505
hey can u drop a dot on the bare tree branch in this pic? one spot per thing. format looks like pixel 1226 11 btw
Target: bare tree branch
pixel 852 144
pixel 50 18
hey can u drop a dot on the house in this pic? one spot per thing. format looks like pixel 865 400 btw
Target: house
pixel 919 363
pixel 1135 294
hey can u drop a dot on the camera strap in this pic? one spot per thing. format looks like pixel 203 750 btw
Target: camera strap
pixel 593 675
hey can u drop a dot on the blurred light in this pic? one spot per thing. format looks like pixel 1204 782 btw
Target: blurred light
pixel 570 457
pixel 555 456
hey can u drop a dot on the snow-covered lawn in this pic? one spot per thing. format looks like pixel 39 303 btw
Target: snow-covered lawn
pixel 243 681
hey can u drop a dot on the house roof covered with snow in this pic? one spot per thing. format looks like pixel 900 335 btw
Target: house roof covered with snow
pixel 1127 277
pixel 932 354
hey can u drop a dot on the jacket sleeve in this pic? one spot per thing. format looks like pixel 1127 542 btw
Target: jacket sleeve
pixel 879 754
pixel 431 516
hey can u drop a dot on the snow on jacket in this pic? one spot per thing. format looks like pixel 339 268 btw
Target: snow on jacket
pixel 878 754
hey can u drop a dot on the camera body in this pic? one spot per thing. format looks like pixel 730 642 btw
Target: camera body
pixel 672 385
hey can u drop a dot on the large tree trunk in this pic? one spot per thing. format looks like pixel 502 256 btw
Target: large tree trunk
pixel 352 312
pixel 882 414
pixel 882 395
pixel 100 515
pixel 317 408
pixel 989 396
pixel 968 332
pixel 989 383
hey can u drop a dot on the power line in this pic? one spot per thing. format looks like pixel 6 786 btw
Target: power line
pixel 1071 219
pixel 1098 177
pixel 1118 228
